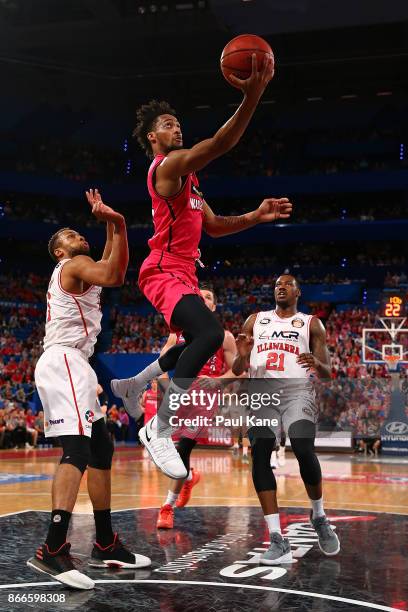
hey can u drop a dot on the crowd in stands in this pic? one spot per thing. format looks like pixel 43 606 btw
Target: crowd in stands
pixel 21 331
pixel 76 162
pixel 21 428
pixel 273 153
pixel 22 288
pixel 265 152
pixel 319 209
pixel 357 398
pixel 134 333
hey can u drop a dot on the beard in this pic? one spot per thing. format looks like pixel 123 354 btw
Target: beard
pixel 81 250
pixel 174 147
pixel 282 302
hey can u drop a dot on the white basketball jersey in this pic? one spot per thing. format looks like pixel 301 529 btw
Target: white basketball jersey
pixel 72 320
pixel 277 344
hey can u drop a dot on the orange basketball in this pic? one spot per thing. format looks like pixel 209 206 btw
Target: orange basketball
pixel 236 57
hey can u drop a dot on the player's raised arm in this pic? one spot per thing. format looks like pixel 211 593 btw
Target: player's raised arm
pixel 319 358
pixel 109 239
pixel 183 161
pixel 107 272
pixel 270 210
pixel 245 342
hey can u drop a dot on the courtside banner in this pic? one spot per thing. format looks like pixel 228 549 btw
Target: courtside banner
pixel 394 430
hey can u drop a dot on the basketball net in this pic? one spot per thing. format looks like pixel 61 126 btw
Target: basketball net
pixel 392 362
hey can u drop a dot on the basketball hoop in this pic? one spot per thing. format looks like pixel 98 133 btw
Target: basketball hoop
pixel 392 362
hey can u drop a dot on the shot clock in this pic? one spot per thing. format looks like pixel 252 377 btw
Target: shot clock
pixel 393 304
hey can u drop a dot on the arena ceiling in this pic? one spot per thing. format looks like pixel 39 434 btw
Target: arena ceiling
pixel 133 49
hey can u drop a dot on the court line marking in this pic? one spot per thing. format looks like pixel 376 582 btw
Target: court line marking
pixel 253 587
pixel 246 506
pixel 209 497
pixel 218 506
pixel 19 512
pixel 192 582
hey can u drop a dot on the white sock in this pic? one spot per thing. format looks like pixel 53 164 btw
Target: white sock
pixel 236 445
pixel 273 522
pixel 168 408
pixel 190 475
pixel 245 451
pixel 171 498
pixel 317 507
pixel 153 370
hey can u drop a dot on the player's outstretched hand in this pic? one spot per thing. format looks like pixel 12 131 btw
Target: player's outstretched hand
pixel 244 344
pixel 256 83
pixel 101 211
pixel 273 209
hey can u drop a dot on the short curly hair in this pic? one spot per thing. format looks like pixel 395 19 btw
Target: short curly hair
pixel 54 242
pixel 146 117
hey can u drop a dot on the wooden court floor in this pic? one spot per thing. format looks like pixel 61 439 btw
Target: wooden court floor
pixel 350 483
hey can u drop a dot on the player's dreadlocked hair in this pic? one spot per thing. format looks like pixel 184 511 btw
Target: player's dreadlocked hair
pixel 146 117
pixel 53 243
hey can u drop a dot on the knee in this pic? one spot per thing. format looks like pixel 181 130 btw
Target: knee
pixel 262 447
pixel 101 446
pixel 302 436
pixel 76 451
pixel 303 447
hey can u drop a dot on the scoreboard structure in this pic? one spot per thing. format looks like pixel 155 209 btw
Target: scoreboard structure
pixel 393 304
pixel 388 341
pixel 388 344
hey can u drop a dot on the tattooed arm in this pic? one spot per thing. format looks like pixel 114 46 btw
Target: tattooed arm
pixel 269 210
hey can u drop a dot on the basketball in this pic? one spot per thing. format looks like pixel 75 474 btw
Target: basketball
pixel 236 57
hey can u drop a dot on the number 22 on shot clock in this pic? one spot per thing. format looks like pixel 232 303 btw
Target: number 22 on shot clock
pixel 393 306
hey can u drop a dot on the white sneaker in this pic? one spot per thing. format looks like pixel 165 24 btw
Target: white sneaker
pixel 129 393
pixel 162 451
pixel 281 456
pixel 274 462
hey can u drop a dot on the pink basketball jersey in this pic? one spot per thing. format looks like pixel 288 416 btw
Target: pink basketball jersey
pixel 177 219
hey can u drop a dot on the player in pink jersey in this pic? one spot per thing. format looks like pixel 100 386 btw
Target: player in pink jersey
pixel 168 275
pixel 217 366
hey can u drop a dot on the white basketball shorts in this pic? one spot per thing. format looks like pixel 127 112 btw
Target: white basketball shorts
pixel 67 387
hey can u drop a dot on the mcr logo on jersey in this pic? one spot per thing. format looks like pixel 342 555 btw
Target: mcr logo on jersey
pixel 283 335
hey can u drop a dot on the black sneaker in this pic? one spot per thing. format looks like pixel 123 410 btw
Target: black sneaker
pixel 59 565
pixel 116 555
